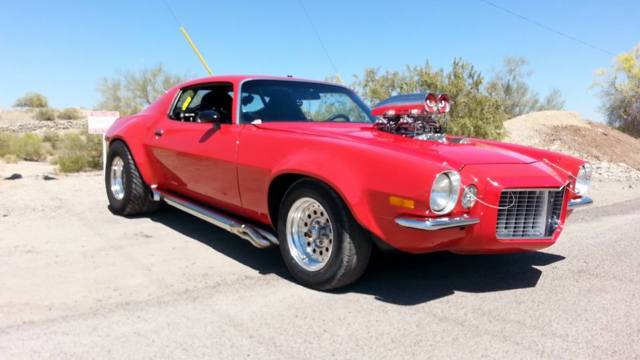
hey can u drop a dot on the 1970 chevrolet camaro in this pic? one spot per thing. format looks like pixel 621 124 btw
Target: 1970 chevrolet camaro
pixel 307 166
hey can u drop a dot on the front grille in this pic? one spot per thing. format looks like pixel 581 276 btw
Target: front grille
pixel 533 213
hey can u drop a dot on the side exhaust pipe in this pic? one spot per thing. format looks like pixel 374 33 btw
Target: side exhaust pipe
pixel 258 237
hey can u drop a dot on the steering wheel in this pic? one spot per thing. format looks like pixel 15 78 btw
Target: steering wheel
pixel 340 116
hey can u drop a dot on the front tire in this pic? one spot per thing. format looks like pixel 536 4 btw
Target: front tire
pixel 321 243
pixel 126 191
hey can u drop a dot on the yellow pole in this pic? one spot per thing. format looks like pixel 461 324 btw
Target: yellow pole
pixel 195 49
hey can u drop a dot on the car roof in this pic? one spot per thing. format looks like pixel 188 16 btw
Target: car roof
pixel 241 78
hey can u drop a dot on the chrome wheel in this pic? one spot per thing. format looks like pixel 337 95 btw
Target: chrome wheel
pixel 309 234
pixel 117 178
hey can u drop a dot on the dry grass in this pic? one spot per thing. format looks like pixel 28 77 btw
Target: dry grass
pixel 77 152
pixel 72 152
pixel 69 114
pixel 45 114
pixel 27 147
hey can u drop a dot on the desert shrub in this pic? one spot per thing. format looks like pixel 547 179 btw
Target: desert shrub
pixel 131 91
pixel 22 147
pixel 29 147
pixel 10 159
pixel 94 151
pixel 510 86
pixel 32 100
pixel 474 112
pixel 620 86
pixel 70 114
pixel 7 141
pixel 78 153
pixel 46 114
pixel 52 138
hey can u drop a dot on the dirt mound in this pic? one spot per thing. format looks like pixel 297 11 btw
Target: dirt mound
pixel 566 132
pixel 615 155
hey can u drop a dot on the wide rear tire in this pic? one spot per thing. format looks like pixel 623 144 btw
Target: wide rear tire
pixel 321 243
pixel 127 193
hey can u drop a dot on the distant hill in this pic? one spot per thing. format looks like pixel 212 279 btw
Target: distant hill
pixel 23 121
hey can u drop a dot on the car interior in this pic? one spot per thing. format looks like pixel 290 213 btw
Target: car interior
pixel 193 101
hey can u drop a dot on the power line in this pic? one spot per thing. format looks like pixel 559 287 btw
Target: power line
pixel 324 48
pixel 546 27
pixel 175 17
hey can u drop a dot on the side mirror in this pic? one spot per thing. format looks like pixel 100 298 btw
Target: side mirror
pixel 209 116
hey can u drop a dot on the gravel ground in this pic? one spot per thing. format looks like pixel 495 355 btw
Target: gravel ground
pixel 78 282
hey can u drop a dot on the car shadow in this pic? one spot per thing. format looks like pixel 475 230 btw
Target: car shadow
pixel 396 278
pixel 405 279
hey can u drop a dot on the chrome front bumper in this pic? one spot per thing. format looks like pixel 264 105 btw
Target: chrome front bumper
pixel 431 224
pixel 578 203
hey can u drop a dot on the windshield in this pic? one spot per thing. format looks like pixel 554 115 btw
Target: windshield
pixel 282 100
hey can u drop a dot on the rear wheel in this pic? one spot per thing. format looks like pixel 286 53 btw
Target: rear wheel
pixel 126 191
pixel 321 244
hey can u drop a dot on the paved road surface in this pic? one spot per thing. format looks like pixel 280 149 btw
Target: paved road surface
pixel 78 282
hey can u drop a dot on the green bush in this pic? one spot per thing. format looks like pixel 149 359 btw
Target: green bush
pixel 29 147
pixel 52 138
pixel 6 143
pixel 473 113
pixel 72 152
pixel 32 100
pixel 620 86
pixel 78 153
pixel 23 147
pixel 46 114
pixel 70 114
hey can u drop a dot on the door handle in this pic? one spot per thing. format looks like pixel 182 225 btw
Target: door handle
pixel 158 132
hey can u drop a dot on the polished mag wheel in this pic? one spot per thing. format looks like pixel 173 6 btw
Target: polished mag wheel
pixel 320 242
pixel 309 234
pixel 117 178
pixel 126 190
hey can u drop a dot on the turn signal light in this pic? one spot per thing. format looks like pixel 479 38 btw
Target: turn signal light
pixel 402 202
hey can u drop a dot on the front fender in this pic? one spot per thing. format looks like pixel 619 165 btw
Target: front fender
pixel 131 130
pixel 363 175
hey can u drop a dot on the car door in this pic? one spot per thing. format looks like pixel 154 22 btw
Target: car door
pixel 197 159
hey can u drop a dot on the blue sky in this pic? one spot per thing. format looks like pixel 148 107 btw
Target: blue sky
pixel 62 48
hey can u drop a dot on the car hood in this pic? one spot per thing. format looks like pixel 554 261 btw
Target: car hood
pixel 455 154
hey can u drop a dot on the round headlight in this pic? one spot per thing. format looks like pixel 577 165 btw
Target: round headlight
pixel 583 180
pixel 444 192
pixel 469 196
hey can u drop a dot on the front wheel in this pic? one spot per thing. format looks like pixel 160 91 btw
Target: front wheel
pixel 321 244
pixel 126 191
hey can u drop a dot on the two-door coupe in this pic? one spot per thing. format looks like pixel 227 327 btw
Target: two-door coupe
pixel 307 166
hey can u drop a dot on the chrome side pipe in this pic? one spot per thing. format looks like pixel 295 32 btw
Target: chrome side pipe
pixel 258 237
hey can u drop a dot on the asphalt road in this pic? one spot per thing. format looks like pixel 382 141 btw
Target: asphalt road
pixel 78 282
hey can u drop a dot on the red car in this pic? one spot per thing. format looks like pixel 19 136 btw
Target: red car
pixel 307 166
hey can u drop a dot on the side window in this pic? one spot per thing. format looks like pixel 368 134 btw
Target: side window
pixel 251 106
pixel 191 101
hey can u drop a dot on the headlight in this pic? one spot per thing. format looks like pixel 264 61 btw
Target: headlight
pixel 444 192
pixel 469 196
pixel 583 180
